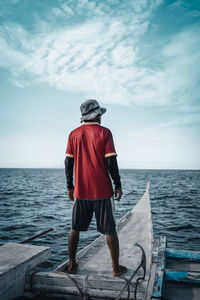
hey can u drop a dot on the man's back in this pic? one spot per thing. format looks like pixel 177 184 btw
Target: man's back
pixel 92 150
pixel 89 144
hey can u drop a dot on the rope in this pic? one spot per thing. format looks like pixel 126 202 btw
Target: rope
pixel 81 294
pixel 128 281
pixel 128 287
pixel 143 265
pixel 76 284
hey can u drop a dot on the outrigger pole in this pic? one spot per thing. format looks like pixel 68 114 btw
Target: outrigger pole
pixel 37 236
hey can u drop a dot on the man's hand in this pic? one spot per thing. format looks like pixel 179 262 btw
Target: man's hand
pixel 118 194
pixel 71 194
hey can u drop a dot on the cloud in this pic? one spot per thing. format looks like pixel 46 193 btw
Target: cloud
pixel 96 57
pixel 99 54
pixel 175 81
pixel 189 120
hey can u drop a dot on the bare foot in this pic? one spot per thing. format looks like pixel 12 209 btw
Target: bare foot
pixel 121 270
pixel 72 268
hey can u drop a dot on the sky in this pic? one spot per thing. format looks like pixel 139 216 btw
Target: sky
pixel 140 59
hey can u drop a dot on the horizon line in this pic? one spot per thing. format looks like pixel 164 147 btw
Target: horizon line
pixel 59 168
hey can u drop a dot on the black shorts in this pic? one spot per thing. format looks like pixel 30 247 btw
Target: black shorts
pixel 104 213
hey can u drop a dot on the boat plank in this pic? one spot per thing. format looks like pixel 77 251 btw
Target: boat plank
pixel 57 280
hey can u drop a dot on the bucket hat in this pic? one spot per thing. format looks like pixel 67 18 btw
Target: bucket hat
pixel 90 109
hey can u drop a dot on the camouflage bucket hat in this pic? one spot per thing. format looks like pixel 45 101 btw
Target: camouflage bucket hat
pixel 90 109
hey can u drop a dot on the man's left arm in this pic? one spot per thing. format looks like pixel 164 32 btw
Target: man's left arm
pixel 69 167
pixel 113 169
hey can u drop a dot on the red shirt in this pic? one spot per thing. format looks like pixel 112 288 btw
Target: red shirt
pixel 89 144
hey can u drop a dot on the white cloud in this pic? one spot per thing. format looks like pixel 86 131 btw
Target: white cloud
pixel 170 145
pixel 67 9
pixel 100 56
pixel 96 57
pixel 176 81
pixel 182 121
pixel 123 56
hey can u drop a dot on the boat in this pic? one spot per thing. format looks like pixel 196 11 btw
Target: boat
pixel 177 273
pixel 94 277
pixel 154 270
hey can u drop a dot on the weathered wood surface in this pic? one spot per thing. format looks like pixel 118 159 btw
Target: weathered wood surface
pixel 177 273
pixel 15 261
pixel 95 270
pixel 152 276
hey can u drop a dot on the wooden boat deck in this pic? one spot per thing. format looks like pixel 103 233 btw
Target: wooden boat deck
pixel 177 273
pixel 94 276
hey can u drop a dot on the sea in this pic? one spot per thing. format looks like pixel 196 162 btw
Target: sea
pixel 34 200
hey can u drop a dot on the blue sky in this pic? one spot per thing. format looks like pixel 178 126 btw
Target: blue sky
pixel 139 59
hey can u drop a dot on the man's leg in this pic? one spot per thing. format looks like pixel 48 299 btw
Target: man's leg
pixel 81 217
pixel 113 245
pixel 72 249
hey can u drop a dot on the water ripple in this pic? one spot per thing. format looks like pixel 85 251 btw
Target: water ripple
pixel 33 200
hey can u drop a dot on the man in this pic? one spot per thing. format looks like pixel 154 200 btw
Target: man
pixel 92 149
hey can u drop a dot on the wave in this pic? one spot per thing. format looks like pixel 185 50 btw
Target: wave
pixel 28 208
pixel 181 227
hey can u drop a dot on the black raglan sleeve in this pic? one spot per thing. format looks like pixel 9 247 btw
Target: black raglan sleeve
pixel 111 162
pixel 69 167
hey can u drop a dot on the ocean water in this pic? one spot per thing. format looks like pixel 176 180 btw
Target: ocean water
pixel 34 200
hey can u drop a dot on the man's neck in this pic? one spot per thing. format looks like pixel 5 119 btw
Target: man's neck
pixel 91 123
